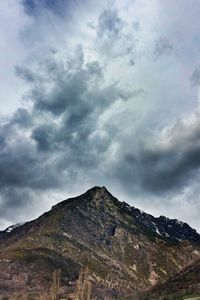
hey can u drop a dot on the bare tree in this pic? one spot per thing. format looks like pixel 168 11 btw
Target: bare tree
pixel 84 286
pixel 56 284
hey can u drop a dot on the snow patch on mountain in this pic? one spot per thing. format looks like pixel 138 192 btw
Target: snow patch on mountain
pixel 12 227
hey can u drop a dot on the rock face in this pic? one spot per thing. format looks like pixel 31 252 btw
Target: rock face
pixel 125 251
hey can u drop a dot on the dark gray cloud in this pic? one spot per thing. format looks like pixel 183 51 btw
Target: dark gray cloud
pixel 21 166
pixel 61 137
pixel 23 172
pixel 59 7
pixel 22 118
pixel 53 143
pixel 163 166
pixel 24 73
pixel 44 136
pixel 15 198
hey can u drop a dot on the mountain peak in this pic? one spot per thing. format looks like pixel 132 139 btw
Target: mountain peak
pixel 98 189
pixel 99 197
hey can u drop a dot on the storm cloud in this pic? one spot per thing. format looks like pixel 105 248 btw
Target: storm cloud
pixel 170 161
pixel 108 96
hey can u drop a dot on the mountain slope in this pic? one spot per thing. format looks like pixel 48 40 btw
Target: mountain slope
pixel 169 229
pixel 183 285
pixel 125 250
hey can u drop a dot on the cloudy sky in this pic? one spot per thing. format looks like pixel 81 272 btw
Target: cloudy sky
pixel 100 93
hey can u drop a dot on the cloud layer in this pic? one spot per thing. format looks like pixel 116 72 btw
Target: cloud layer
pixel 108 94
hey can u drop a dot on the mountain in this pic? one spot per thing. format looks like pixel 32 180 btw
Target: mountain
pixel 93 244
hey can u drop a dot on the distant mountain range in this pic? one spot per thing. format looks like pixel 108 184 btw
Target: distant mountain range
pixel 96 247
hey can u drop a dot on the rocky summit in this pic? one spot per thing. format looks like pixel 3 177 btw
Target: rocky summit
pixel 96 247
